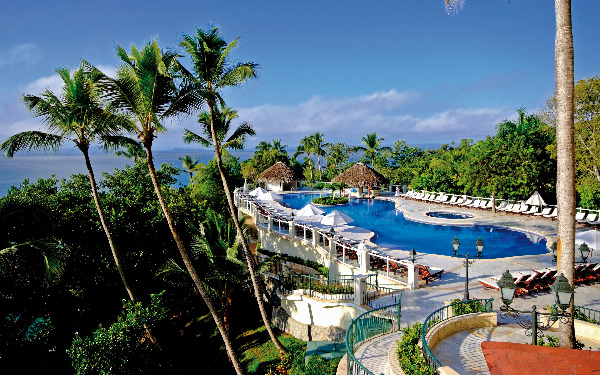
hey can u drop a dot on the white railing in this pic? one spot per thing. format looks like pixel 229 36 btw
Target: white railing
pixel 345 252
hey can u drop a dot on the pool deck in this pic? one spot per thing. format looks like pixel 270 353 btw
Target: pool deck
pixel 463 350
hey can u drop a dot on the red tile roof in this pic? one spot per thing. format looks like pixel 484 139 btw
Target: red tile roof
pixel 505 358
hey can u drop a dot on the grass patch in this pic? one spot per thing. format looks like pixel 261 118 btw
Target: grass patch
pixel 257 352
pixel 330 201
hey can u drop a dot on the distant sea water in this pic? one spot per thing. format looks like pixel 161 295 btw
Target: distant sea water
pixel 63 164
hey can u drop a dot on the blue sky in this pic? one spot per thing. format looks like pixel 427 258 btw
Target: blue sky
pixel 403 68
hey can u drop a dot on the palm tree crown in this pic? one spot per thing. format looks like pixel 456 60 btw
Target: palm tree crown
pixel 372 147
pixel 222 123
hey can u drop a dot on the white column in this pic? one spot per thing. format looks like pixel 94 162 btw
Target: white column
pixel 315 236
pixel 360 287
pixel 270 225
pixel 413 275
pixel 364 259
pixel 292 228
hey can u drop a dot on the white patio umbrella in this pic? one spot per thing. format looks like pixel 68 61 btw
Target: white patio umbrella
pixel 590 237
pixel 245 188
pixel 270 196
pixel 336 217
pixel 258 191
pixel 309 210
pixel 536 200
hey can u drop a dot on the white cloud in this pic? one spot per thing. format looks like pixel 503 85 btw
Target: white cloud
pixel 21 53
pixel 391 114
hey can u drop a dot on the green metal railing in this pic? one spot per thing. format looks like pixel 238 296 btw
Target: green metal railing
pixel 372 323
pixel 445 313
pixel 587 315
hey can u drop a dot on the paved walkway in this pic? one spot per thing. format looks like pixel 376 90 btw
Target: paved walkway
pixel 464 349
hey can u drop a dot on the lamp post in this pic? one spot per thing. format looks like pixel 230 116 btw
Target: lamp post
pixel 413 256
pixel 563 293
pixel 584 252
pixel 467 262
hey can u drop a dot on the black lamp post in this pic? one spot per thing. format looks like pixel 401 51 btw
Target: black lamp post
pixel 413 256
pixel 563 293
pixel 584 251
pixel 467 262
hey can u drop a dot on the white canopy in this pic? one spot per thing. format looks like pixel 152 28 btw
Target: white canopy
pixel 309 210
pixel 258 191
pixel 336 217
pixel 245 188
pixel 270 196
pixel 590 237
pixel 535 200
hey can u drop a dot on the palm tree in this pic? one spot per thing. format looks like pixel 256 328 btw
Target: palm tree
pixel 210 53
pixel 318 149
pixel 372 147
pixel 565 145
pixel 305 147
pixel 565 148
pixel 189 164
pixel 145 88
pixel 76 115
pixel 217 247
pixel 222 127
pixel 277 146
pixel 133 150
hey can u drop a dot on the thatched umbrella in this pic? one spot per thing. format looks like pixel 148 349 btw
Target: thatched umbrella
pixel 278 173
pixel 361 176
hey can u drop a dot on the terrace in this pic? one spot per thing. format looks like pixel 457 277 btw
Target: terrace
pixel 372 353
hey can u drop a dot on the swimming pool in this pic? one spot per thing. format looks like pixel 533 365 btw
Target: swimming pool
pixel 393 231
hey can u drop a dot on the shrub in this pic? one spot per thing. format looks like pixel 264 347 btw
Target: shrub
pixel 409 353
pixel 330 201
pixel 467 307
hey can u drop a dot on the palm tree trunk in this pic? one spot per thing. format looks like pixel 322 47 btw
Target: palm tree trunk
pixel 249 260
pixel 188 263
pixel 85 150
pixel 111 243
pixel 565 178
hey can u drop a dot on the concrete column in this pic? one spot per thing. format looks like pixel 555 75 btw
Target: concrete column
pixel 292 229
pixel 315 236
pixel 331 249
pixel 360 287
pixel 413 275
pixel 364 259
pixel 270 225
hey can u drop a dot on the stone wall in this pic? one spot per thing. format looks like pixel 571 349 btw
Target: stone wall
pixel 306 332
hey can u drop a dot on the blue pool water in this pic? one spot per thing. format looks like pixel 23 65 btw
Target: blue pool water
pixel 393 231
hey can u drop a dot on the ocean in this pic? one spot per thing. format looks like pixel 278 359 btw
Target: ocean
pixel 63 164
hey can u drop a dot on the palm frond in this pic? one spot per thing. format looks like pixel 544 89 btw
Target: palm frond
pixel 31 140
pixel 191 137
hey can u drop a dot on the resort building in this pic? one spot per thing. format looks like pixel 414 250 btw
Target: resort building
pixel 279 177
pixel 362 180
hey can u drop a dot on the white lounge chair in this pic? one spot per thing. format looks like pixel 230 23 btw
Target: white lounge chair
pixel 580 216
pixel 552 215
pixel 545 211
pixel 590 218
pixel 508 207
pixel 452 200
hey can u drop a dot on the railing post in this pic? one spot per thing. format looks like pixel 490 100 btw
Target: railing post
pixel 315 236
pixel 292 228
pixel 270 224
pixel 364 260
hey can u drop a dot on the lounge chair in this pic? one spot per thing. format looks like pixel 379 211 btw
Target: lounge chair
pixel 521 210
pixel 580 216
pixel 452 200
pixel 545 211
pixel 489 205
pixel 467 202
pixel 429 273
pixel 475 203
pixel 532 210
pixel 443 199
pixel 490 283
pixel 547 278
pixel 590 218
pixel 508 207
pixel 502 205
pixel 552 215
pixel 459 201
